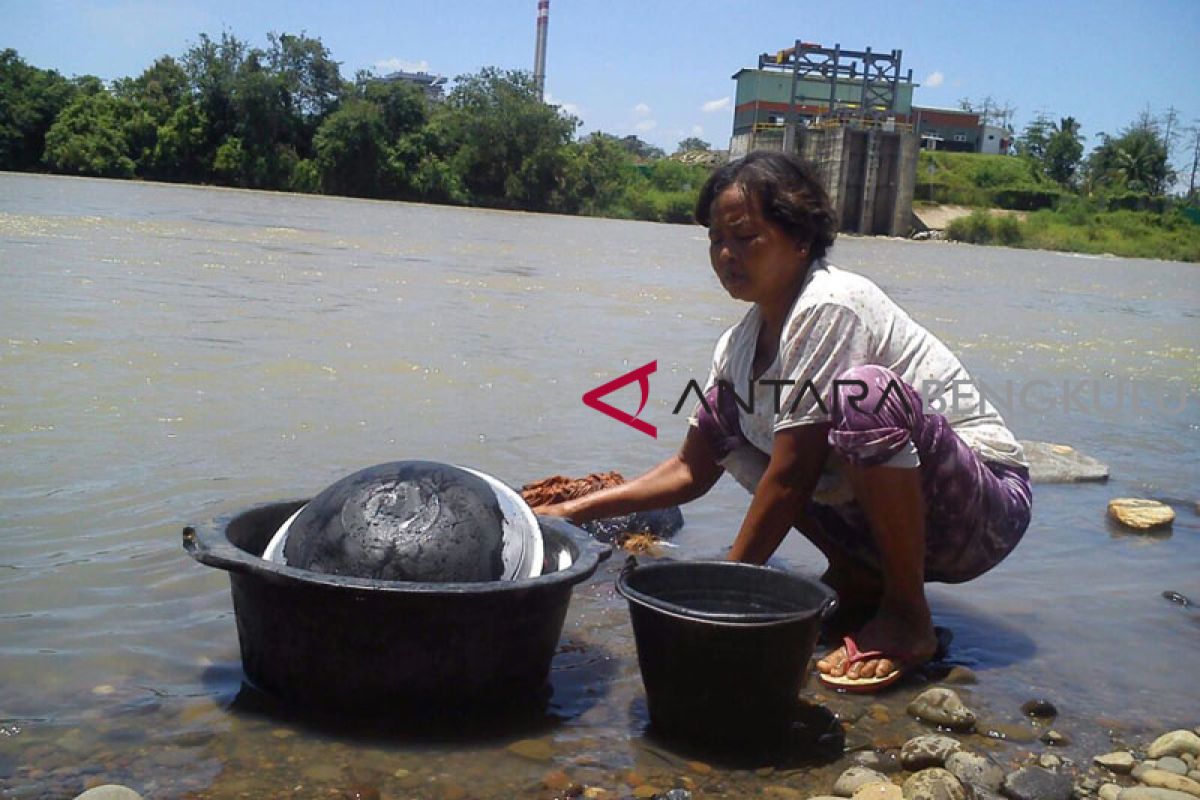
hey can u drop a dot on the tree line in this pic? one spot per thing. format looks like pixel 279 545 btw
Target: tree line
pixel 1135 161
pixel 283 117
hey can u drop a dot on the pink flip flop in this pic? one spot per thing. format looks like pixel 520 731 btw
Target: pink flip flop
pixel 861 685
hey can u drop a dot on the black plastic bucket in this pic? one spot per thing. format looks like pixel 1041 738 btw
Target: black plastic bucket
pixel 354 644
pixel 723 647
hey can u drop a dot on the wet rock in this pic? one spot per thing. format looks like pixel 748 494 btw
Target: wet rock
pixel 1177 598
pixel 934 784
pixel 110 791
pixel 1055 738
pixel 783 793
pixel 533 749
pixel 600 793
pixel 1011 733
pixel 1139 514
pixel 1175 743
pixel 322 772
pixel 556 780
pixel 1040 708
pixel 880 790
pixel 1035 783
pixel 855 777
pixel 646 791
pixel 1148 793
pixel 676 794
pixel 1161 779
pixel 1194 775
pixel 1060 463
pixel 1109 791
pixel 1121 762
pixel 922 752
pixel 1172 764
pixel 449 790
pixel 1087 785
pixel 942 707
pixel 360 792
pixel 975 770
pixel 699 767
pixel 885 761
pixel 1049 761
pixel 960 676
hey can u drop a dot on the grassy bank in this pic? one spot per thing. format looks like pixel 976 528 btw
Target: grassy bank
pixel 1075 227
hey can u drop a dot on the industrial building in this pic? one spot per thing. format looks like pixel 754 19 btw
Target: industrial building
pixel 847 113
pixel 764 97
pixel 432 85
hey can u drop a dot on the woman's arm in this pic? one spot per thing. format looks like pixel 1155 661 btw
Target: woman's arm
pixel 797 456
pixel 683 477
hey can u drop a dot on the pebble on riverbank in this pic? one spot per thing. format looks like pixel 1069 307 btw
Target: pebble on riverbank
pixel 1139 514
pixel 942 707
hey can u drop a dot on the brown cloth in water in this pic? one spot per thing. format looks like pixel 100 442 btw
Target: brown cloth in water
pixel 558 488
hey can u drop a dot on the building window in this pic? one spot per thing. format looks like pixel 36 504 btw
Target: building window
pixel 960 137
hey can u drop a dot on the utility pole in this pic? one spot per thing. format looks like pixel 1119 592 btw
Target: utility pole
pixel 1195 160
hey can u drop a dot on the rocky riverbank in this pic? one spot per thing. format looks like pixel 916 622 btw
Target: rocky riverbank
pixel 951 762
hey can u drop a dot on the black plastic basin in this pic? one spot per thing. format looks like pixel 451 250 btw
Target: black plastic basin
pixel 723 647
pixel 353 644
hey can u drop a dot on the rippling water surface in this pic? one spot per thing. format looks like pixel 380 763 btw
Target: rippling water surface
pixel 172 354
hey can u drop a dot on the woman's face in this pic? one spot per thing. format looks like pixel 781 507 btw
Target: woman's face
pixel 755 259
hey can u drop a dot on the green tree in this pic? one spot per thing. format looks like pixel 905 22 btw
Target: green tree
pixel 639 149
pixel 30 100
pixel 1064 151
pixel 598 170
pixel 1135 161
pixel 89 137
pixel 180 147
pixel 212 69
pixel 1035 138
pixel 402 104
pixel 352 150
pixel 508 147
pixel 692 143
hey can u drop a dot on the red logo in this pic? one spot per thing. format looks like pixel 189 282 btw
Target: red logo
pixel 642 375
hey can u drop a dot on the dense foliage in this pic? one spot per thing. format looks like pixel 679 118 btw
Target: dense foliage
pixel 283 117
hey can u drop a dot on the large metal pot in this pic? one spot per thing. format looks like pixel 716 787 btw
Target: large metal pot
pixel 345 643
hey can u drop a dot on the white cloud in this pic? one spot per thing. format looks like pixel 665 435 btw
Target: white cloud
pixel 935 79
pixel 697 130
pixel 642 110
pixel 717 105
pixel 400 65
pixel 646 125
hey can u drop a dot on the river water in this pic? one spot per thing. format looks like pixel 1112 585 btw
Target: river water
pixel 171 354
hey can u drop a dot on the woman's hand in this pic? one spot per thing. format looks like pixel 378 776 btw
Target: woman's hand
pixel 683 477
pixel 554 510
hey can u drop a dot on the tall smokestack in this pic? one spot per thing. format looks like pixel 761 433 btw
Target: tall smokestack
pixel 539 57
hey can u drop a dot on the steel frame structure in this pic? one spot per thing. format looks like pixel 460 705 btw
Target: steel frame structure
pixel 877 75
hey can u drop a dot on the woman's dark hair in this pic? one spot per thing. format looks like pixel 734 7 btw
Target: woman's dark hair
pixel 788 193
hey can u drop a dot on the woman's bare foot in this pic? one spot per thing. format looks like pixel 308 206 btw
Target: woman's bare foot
pixel 905 638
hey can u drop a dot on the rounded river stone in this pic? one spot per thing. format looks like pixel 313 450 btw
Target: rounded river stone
pixel 975 770
pixel 1035 783
pixel 930 750
pixel 942 707
pixel 934 784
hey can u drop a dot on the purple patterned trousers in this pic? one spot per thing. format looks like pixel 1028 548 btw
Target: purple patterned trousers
pixel 975 511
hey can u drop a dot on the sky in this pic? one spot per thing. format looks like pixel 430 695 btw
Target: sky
pixel 661 69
